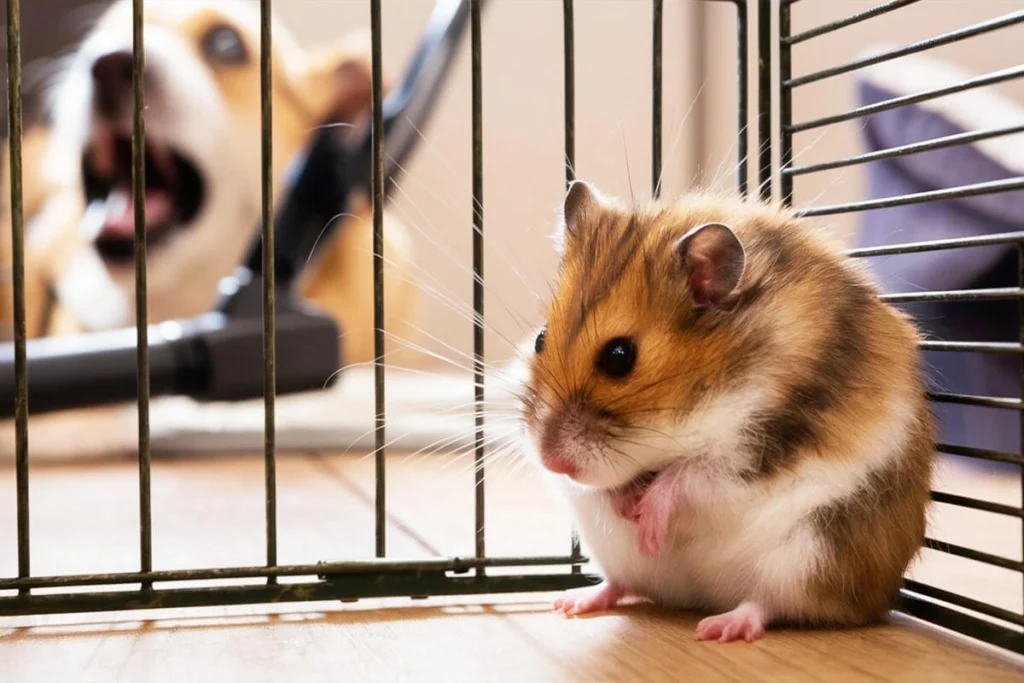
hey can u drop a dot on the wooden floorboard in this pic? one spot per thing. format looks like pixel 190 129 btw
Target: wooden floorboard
pixel 208 511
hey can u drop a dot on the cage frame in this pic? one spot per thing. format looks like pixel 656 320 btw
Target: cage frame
pixel 383 576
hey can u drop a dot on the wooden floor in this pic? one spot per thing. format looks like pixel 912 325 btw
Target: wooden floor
pixel 209 512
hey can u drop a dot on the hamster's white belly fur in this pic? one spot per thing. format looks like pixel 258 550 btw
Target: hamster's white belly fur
pixel 714 557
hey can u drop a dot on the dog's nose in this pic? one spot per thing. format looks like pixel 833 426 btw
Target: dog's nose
pixel 112 75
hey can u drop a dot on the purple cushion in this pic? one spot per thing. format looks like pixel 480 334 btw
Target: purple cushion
pixel 983 374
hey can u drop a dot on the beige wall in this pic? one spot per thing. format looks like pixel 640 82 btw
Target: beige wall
pixel 523 139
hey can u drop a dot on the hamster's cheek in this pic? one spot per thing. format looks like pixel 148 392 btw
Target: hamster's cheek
pixel 649 449
pixel 604 476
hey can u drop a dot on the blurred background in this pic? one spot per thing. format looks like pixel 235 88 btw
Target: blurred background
pixel 523 125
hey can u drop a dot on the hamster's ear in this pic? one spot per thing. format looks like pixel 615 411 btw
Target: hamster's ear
pixel 581 200
pixel 712 259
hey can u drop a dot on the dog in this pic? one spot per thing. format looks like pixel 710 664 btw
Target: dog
pixel 203 182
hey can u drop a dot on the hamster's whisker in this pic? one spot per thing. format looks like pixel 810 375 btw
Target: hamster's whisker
pixel 719 169
pixel 497 369
pixel 648 410
pixel 458 307
pixel 459 265
pixel 625 153
pixel 655 431
pixel 323 231
pixel 679 133
pixel 504 252
pixel 459 455
pixel 435 446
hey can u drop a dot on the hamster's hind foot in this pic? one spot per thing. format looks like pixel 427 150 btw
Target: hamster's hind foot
pixel 589 599
pixel 746 622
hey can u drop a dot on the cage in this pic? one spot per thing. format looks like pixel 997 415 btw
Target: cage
pixel 905 159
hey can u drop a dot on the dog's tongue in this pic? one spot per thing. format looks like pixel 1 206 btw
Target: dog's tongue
pixel 120 212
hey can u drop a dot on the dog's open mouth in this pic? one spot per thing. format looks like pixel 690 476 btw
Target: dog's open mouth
pixel 174 193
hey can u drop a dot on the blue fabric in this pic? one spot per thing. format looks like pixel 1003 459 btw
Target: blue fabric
pixel 964 373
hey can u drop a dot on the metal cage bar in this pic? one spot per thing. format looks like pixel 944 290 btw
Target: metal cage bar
pixel 905 150
pixel 976 555
pixel 478 278
pixel 380 434
pixel 979 347
pixel 141 312
pixel 961 601
pixel 269 288
pixel 993 78
pixel 978 453
pixel 454 565
pixel 569 88
pixel 938 41
pixel 657 35
pixel 742 107
pixel 939 245
pixel 18 275
pixel 992 294
pixel 976 504
pixel 1007 185
pixel 764 96
pixel 1020 416
pixel 785 105
pixel 982 401
pixel 842 23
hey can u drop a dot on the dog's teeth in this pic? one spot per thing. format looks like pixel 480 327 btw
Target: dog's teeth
pixel 93 220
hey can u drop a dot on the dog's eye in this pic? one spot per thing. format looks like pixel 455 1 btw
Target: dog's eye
pixel 223 45
pixel 617 358
pixel 538 344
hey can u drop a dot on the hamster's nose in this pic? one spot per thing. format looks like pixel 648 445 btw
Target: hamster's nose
pixel 560 465
pixel 112 76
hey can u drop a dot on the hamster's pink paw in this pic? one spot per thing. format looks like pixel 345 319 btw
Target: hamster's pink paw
pixel 653 513
pixel 649 534
pixel 589 599
pixel 627 503
pixel 746 622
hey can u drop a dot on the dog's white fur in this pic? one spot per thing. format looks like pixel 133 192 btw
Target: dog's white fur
pixel 185 111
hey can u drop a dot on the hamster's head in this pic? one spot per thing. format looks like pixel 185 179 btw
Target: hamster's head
pixel 651 338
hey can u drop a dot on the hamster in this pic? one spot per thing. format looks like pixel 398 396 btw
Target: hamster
pixel 738 422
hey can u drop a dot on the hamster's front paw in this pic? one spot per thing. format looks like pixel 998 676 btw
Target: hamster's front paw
pixel 627 503
pixel 652 525
pixel 653 512
pixel 589 599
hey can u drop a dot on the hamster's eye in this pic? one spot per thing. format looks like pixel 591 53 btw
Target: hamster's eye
pixel 538 344
pixel 223 45
pixel 618 357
